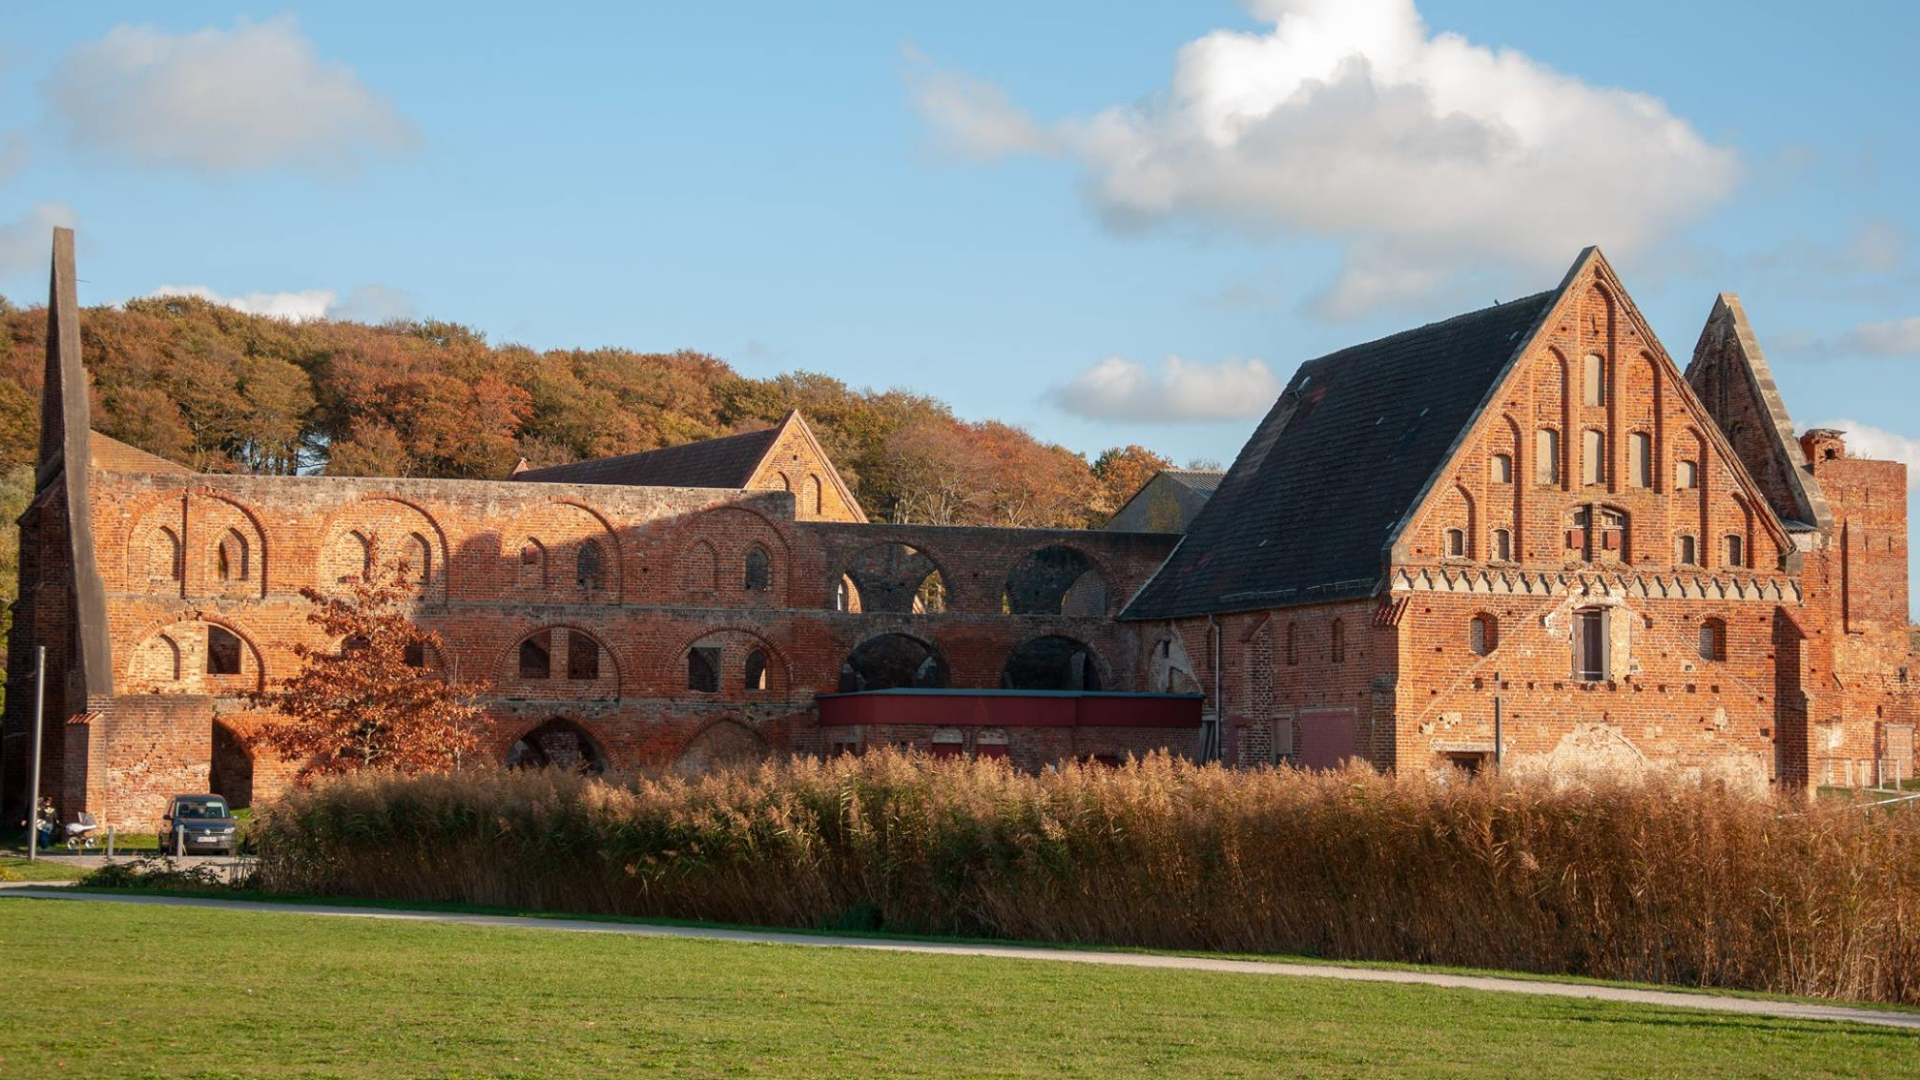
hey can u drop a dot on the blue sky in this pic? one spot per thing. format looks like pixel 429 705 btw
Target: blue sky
pixel 1023 209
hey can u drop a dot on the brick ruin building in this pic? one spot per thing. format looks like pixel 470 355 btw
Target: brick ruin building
pixel 1524 511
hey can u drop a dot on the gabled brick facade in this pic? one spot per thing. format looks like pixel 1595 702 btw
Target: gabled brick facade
pixel 1555 529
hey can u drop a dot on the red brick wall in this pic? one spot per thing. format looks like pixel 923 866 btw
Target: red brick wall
pixel 1863 707
pixel 499 562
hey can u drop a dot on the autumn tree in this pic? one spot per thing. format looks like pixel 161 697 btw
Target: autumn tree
pixel 1119 473
pixel 370 698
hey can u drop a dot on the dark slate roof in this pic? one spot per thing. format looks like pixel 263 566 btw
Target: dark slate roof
pixel 1308 507
pixel 726 462
pixel 1203 481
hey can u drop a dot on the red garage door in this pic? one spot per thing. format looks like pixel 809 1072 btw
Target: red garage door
pixel 1326 738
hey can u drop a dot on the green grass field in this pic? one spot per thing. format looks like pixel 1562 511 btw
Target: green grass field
pixel 52 868
pixel 105 990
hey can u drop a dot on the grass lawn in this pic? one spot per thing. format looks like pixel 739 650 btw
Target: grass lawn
pixel 48 868
pixel 198 993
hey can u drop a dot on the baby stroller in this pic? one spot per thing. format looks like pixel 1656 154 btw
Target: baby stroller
pixel 80 832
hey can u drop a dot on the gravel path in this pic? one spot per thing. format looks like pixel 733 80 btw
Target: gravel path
pixel 1790 1010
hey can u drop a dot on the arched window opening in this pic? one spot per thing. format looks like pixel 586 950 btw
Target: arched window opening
pixel 846 595
pixel 231 557
pixel 223 651
pixel 756 671
pixel 590 567
pixel 558 744
pixel 1056 581
pixel 1501 470
pixel 1053 662
pixel 892 661
pixel 230 769
pixel 171 658
pixel 163 556
pixel 893 578
pixel 419 559
pixel 759 569
pixel 1713 639
pixel 1736 550
pixel 1456 543
pixel 1337 642
pixel 1640 459
pixel 815 494
pixel 1546 456
pixel 1686 476
pixel 1593 379
pixel 1686 550
pixel 1483 634
pixel 536 656
pixel 415 654
pixel 583 657
pixel 354 643
pixel 533 565
pixel 1502 545
pixel 703 670
pixel 1591 644
pixel 1593 457
pixel 700 568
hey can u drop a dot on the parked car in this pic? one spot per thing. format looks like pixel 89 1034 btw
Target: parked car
pixel 206 826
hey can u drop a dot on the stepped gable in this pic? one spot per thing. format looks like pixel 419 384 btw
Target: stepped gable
pixel 1729 373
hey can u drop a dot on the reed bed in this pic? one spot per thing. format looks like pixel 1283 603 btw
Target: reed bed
pixel 1662 880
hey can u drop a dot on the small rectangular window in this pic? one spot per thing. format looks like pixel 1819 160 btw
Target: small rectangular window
pixel 1501 470
pixel 1686 476
pixel 1736 551
pixel 1590 645
pixel 1685 552
pixel 1546 456
pixel 1640 459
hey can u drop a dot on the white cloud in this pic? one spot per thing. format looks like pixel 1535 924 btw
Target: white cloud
pixel 1423 153
pixel 299 306
pixel 1182 390
pixel 13 154
pixel 1867 441
pixel 1894 338
pixel 221 101
pixel 26 245
pixel 375 304
pixel 973 117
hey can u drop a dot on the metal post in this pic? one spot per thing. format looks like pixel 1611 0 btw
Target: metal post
pixel 1499 747
pixel 33 785
pixel 109 843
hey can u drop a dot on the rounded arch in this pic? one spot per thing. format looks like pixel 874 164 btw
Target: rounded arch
pixel 568 673
pixel 732 649
pixel 1053 662
pixel 218 519
pixel 230 770
pixel 721 537
pixel 386 525
pixel 156 551
pixel 1058 579
pixel 895 577
pixel 892 661
pixel 720 745
pixel 178 656
pixel 579 553
pixel 558 743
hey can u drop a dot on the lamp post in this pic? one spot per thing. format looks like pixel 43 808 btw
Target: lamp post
pixel 33 784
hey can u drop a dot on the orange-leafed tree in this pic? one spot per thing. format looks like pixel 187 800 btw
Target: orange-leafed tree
pixel 374 697
pixel 1119 473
